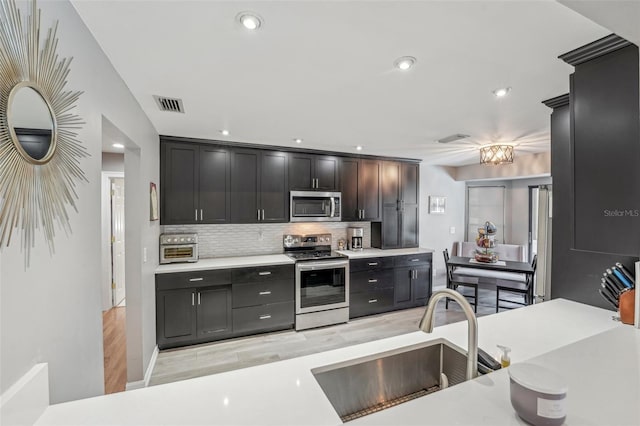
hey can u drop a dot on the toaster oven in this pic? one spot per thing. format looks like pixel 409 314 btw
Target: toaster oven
pixel 176 248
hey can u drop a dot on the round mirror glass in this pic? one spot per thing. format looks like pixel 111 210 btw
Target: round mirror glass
pixel 31 124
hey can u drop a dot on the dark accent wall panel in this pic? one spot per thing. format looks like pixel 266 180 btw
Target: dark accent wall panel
pixel 595 165
pixel 605 143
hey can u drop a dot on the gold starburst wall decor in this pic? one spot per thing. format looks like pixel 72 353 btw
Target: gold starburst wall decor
pixel 39 150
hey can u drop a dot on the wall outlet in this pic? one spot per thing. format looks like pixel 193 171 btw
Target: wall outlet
pixel 144 255
pixel 260 235
pixel 452 230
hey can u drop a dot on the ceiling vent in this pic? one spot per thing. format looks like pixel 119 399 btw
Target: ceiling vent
pixel 169 104
pixel 453 138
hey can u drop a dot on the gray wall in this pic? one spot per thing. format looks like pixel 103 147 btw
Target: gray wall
pixel 435 228
pixel 112 162
pixel 51 311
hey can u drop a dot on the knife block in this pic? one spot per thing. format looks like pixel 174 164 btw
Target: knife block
pixel 626 305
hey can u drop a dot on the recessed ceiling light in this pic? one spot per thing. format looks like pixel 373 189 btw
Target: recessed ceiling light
pixel 117 145
pixel 224 132
pixel 501 92
pixel 250 20
pixel 359 148
pixel 297 140
pixel 405 62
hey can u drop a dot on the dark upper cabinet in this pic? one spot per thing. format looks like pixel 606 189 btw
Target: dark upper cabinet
pixel 308 172
pixel 259 186
pixel 179 183
pixel 400 201
pixel 274 197
pixel 214 183
pixel 194 184
pixel 360 187
pixel 245 186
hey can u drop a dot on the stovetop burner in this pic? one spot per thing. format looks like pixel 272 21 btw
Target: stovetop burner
pixel 309 247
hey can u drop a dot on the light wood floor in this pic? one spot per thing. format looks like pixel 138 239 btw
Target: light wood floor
pixel 115 349
pixel 201 360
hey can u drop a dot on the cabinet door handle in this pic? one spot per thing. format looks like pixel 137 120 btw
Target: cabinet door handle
pixel 193 299
pixel 264 273
pixel 262 214
pixel 262 317
pixel 373 263
pixel 200 214
pixel 264 293
pixel 196 212
pixel 373 280
pixel 415 260
pixel 363 213
pixel 196 279
pixel 258 214
pixel 373 300
pixel 199 298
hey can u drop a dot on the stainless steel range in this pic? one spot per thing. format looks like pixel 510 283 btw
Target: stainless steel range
pixel 322 280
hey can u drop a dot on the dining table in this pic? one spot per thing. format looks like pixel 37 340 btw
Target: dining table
pixel 501 266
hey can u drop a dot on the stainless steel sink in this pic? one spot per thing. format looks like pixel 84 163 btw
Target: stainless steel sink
pixel 369 384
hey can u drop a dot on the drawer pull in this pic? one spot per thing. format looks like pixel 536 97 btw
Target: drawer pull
pixel 373 263
pixel 265 317
pixel 264 273
pixel 373 281
pixel 264 293
pixel 415 260
pixel 196 279
pixel 373 300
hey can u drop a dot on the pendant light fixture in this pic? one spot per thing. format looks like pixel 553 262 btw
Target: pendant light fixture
pixel 496 154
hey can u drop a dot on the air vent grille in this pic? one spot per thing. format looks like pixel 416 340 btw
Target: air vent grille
pixel 453 138
pixel 169 104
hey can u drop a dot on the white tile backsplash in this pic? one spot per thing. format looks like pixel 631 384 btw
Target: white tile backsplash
pixel 261 238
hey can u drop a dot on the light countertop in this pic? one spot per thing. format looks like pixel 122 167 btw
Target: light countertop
pixel 560 334
pixel 375 252
pixel 226 262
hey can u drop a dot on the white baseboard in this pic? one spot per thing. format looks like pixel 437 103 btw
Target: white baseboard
pixel 25 401
pixel 152 364
pixel 147 375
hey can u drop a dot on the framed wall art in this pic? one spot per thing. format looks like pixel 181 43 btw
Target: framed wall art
pixel 437 204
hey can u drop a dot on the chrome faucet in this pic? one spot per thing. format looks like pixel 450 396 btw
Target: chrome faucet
pixel 426 325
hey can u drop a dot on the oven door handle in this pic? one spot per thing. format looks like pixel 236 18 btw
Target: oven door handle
pixel 321 265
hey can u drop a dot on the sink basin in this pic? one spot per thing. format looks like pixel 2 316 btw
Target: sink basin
pixel 369 384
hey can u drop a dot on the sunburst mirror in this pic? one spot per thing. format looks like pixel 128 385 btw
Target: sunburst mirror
pixel 39 150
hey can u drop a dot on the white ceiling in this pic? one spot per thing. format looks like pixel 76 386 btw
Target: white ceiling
pixel 323 70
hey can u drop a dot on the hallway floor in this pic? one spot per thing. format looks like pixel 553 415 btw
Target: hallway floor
pixel 115 349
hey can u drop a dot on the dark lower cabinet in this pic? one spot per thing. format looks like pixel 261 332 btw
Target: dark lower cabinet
pixel 190 315
pixel 214 311
pixel 176 317
pixel 387 283
pixel 204 306
pixel 413 286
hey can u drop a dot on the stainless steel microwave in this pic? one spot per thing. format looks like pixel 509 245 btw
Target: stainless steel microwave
pixel 312 206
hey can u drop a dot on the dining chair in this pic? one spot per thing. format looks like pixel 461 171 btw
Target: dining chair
pixel 523 288
pixel 455 280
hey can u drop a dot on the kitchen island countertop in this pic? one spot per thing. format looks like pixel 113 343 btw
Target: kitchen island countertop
pixel 226 262
pixel 599 358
